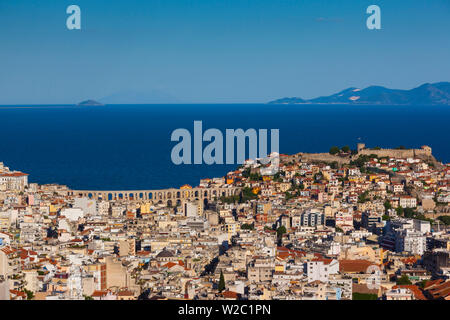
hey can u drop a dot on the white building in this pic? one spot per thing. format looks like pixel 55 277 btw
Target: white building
pixel 89 206
pixel 13 181
pixel 422 226
pixel 321 269
pixel 72 214
pixel 192 209
pixel 312 218
pixel 410 241
pixel 408 202
pixel 103 208
pixel 399 294
pixel 397 187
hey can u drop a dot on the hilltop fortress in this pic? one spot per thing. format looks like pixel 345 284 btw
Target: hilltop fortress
pixel 424 152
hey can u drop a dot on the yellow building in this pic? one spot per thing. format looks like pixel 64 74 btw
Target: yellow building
pixel 232 229
pixel 145 208
pixel 256 190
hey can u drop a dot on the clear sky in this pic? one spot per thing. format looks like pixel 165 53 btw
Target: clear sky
pixel 217 50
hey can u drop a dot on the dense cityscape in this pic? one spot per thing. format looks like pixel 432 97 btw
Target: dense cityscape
pixel 362 224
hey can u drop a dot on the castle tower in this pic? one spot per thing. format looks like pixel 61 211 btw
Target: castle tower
pixel 427 150
pixel 361 146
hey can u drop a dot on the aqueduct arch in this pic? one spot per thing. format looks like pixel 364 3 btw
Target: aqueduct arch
pixel 157 196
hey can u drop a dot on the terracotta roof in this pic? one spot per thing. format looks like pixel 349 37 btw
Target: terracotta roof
pixel 125 293
pixel 230 294
pixel 409 260
pixel 14 174
pixel 8 250
pixel 18 293
pixel 99 293
pixel 354 265
pixel 325 261
pixel 438 290
pixel 169 265
pixel 418 295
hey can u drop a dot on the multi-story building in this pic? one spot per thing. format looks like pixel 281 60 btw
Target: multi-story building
pixel 407 202
pixel 410 241
pixel 321 269
pixel 370 219
pixel 344 219
pixel 312 218
pixel 260 270
pixel 14 181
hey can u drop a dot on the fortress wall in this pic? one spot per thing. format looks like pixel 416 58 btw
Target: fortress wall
pixel 323 157
pixel 392 153
pixel 395 153
pixel 424 153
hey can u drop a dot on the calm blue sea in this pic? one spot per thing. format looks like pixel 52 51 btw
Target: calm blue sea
pixel 128 146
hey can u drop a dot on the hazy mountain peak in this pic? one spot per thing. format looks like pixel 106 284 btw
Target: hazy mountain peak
pixel 426 94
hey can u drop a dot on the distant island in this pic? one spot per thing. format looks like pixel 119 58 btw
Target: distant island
pixel 90 103
pixel 426 94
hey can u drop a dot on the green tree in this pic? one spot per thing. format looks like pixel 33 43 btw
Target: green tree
pixel 334 150
pixel 230 199
pixel 445 219
pixel 280 231
pixel 221 286
pixel 255 177
pixel 247 226
pixel 288 195
pixel 277 177
pixel 247 194
pixel 30 294
pixel 409 213
pixel 363 197
pixel 345 149
pixel 404 279
pixel 421 284
pixel 246 173
pixel 364 296
pixel 387 205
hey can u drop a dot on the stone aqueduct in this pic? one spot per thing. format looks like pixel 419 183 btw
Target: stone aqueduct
pixel 158 196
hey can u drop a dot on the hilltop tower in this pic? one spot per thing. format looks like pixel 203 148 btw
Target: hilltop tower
pixel 427 150
pixel 361 146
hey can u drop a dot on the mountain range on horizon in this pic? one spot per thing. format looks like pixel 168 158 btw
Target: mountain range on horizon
pixel 426 94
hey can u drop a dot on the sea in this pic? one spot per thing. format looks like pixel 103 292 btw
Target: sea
pixel 128 147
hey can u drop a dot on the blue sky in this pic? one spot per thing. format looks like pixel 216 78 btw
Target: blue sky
pixel 217 51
